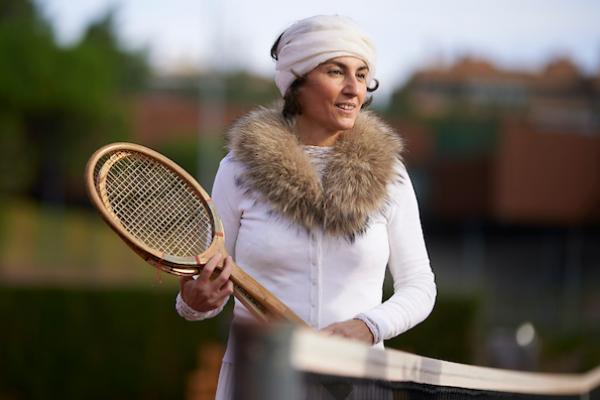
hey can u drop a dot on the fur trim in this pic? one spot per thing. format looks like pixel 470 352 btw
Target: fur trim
pixel 354 182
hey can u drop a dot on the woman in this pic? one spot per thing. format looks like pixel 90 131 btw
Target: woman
pixel 315 201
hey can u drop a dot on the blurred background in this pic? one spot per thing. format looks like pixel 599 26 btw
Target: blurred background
pixel 499 105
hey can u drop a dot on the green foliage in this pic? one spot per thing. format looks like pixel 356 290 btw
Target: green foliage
pixel 200 157
pixel 245 89
pixel 233 88
pixel 110 344
pixel 184 152
pixel 128 69
pixel 42 244
pixel 58 104
pixel 400 106
pixel 28 51
pixel 582 351
pixel 447 334
pixel 460 136
pixel 16 163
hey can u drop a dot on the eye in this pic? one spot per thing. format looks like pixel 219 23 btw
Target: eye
pixel 336 72
pixel 361 76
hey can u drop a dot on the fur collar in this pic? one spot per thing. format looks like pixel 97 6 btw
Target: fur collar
pixel 354 183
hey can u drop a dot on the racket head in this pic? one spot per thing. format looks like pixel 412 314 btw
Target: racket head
pixel 155 206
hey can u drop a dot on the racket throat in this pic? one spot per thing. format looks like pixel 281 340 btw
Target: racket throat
pixel 254 307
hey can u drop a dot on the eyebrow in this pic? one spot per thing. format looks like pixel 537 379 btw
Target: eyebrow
pixel 344 66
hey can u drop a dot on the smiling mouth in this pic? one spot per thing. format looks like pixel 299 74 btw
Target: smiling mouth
pixel 346 106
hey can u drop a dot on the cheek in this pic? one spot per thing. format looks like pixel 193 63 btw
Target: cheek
pixel 362 95
pixel 324 94
pixel 310 104
pixel 316 99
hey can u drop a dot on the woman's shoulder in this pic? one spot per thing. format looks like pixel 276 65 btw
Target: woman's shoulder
pixel 400 188
pixel 229 165
pixel 227 160
pixel 400 169
pixel 227 177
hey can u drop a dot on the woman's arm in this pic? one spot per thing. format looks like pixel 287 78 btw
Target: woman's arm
pixel 414 286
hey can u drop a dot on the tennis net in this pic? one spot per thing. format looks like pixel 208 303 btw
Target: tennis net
pixel 301 364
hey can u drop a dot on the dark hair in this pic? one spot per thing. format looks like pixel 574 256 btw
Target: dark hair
pixel 291 105
pixel 274 55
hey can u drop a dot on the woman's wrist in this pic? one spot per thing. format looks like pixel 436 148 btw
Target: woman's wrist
pixel 190 314
pixel 371 326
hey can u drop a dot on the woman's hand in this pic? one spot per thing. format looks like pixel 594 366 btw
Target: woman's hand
pixel 352 329
pixel 207 293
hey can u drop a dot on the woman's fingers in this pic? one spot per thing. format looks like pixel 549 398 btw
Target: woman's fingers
pixel 209 268
pixel 206 293
pixel 352 329
pixel 330 329
pixel 184 287
pixel 183 280
pixel 224 275
pixel 226 291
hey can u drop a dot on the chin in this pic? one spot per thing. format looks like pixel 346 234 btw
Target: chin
pixel 346 127
pixel 346 124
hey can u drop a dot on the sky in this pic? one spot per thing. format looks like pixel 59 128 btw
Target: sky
pixel 238 34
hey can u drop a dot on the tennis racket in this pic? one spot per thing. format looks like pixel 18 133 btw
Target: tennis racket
pixel 168 219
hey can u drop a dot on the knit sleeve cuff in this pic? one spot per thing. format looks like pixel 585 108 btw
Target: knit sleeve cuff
pixel 372 327
pixel 187 312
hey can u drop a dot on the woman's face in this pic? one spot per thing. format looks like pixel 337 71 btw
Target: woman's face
pixel 333 94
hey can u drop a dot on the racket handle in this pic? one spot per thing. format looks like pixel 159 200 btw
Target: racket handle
pixel 261 300
pixel 252 305
pixel 258 311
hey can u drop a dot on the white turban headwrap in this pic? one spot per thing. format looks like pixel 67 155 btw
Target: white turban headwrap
pixel 312 41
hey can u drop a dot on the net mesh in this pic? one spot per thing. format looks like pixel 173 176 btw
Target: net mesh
pixel 154 204
pixel 332 368
pixel 317 386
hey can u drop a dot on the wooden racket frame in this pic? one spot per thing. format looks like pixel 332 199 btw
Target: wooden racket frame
pixel 263 304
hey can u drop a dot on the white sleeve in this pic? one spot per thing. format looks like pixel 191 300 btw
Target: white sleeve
pixel 187 312
pixel 226 196
pixel 414 285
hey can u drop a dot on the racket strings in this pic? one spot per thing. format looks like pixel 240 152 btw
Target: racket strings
pixel 136 210
pixel 155 204
pixel 174 227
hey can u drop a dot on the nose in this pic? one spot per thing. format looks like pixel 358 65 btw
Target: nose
pixel 351 85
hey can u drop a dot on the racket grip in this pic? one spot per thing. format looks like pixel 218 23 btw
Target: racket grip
pixel 258 311
pixel 260 297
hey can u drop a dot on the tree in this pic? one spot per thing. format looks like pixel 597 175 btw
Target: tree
pixel 57 104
